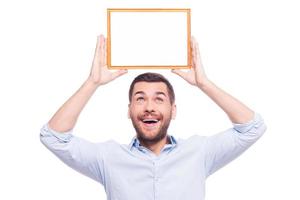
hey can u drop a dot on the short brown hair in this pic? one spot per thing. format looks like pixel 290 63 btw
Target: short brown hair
pixel 153 77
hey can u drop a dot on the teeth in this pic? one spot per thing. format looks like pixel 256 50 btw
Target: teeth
pixel 150 120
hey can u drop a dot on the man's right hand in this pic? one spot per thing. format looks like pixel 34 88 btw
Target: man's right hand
pixel 65 118
pixel 99 74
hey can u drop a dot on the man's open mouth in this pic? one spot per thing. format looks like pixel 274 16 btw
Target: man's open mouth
pixel 150 122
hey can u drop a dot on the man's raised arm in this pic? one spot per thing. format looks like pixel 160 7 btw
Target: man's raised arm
pixel 65 118
pixel 236 111
pixel 83 156
pixel 247 128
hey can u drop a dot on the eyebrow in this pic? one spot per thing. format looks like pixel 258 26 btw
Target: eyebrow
pixel 139 92
pixel 162 93
pixel 157 93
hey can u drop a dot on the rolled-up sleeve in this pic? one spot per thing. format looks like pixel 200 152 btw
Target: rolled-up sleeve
pixel 83 156
pixel 222 148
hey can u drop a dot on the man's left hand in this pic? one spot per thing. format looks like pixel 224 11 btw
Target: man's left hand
pixel 196 75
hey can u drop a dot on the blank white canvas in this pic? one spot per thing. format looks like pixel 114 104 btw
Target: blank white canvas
pixel 149 38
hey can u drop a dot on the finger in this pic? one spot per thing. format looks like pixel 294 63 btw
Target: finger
pixel 198 64
pixel 97 49
pixel 119 73
pixel 105 52
pixel 194 54
pixel 102 50
pixel 179 72
pixel 193 41
pixel 199 61
pixel 197 49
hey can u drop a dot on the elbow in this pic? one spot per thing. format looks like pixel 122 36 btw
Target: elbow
pixel 252 130
pixel 42 140
pixel 258 129
pixel 52 139
pixel 46 137
pixel 261 128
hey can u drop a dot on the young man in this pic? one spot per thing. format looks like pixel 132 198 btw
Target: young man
pixel 154 165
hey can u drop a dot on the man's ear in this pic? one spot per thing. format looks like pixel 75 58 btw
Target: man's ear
pixel 128 112
pixel 174 111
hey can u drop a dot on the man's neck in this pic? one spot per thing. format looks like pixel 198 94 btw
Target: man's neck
pixel 158 146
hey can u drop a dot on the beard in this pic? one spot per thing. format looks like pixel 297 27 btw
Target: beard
pixel 161 133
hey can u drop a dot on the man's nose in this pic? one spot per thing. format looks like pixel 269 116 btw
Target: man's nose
pixel 149 106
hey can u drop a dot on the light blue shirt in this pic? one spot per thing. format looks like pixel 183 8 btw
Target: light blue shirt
pixel 132 172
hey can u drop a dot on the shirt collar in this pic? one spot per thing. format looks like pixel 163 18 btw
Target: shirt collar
pixel 136 143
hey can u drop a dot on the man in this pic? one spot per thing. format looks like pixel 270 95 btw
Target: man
pixel 154 165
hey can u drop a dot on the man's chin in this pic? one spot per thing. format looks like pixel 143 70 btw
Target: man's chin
pixel 146 138
pixel 151 133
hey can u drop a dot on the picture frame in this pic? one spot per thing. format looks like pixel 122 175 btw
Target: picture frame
pixel 145 38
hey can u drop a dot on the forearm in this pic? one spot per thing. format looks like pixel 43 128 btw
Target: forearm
pixel 65 118
pixel 236 110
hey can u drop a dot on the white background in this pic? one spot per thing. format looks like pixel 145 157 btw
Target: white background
pixel 249 48
pixel 154 38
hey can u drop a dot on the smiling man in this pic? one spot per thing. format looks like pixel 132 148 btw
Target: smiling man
pixel 155 165
pixel 151 109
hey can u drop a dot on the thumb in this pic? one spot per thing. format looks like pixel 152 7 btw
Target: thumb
pixel 119 73
pixel 178 72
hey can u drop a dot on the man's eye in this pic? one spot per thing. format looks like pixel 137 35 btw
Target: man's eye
pixel 140 99
pixel 159 100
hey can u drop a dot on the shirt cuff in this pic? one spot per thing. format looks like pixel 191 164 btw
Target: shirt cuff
pixel 61 136
pixel 245 127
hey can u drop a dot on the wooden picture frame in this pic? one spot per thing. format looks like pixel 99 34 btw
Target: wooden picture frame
pixel 148 38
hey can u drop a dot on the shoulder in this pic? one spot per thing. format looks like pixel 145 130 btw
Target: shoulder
pixel 193 142
pixel 192 139
pixel 112 147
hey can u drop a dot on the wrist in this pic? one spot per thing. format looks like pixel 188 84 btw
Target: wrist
pixel 92 84
pixel 203 84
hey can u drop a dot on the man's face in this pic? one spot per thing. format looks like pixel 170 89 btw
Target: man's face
pixel 151 111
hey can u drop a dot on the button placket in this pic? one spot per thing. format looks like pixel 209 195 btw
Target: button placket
pixel 155 178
